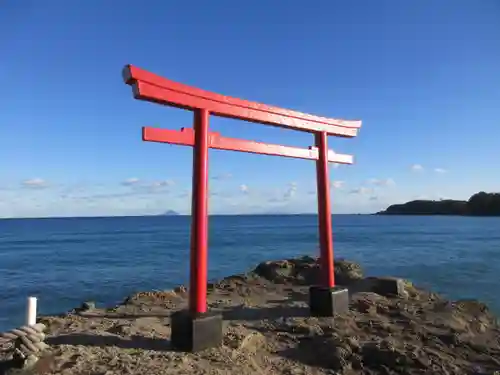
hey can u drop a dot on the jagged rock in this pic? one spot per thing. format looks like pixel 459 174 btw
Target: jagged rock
pixel 233 281
pixel 386 286
pixel 368 302
pixel 180 289
pixel 88 305
pixel 472 306
pixel 153 297
pixel 347 272
pixel 85 306
pixel 305 271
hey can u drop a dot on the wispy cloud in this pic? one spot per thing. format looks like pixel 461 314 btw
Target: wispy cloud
pixel 222 176
pixel 282 196
pixel 417 168
pixel 244 189
pixel 130 181
pixel 35 183
pixel 101 196
pixel 382 182
pixel 132 187
pixel 290 191
pixel 144 187
pixel 361 191
pixel 164 183
pixel 337 184
pixel 440 170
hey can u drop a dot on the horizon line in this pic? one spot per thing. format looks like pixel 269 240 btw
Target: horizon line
pixel 162 215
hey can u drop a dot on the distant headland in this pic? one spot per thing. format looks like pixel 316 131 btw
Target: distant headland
pixel 479 204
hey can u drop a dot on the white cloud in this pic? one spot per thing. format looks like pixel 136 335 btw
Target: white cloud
pixel 440 170
pixel 244 188
pixel 103 200
pixel 417 168
pixel 164 183
pixel 35 183
pixel 337 184
pixel 389 182
pixel 140 197
pixel 131 181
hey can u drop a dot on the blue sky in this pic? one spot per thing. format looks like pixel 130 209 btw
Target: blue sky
pixel 422 75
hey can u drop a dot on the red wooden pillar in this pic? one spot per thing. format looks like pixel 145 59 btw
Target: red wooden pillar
pixel 199 215
pixel 324 211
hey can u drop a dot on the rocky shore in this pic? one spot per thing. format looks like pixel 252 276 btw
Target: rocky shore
pixel 268 330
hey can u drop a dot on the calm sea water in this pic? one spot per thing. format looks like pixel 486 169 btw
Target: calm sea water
pixel 66 261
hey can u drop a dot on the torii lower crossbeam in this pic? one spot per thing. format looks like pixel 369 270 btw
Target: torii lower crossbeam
pixel 185 137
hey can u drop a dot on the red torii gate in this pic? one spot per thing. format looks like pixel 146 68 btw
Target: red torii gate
pixel 196 329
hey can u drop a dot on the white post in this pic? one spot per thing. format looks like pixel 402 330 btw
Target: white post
pixel 31 311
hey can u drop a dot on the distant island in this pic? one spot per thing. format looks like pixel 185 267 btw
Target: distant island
pixel 170 213
pixel 479 204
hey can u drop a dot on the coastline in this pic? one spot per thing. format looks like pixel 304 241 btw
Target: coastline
pixel 268 330
pixel 478 205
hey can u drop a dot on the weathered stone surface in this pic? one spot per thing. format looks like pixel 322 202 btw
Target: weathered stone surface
pixel 270 331
pixel 347 272
pixel 369 303
pixel 386 286
pixel 305 271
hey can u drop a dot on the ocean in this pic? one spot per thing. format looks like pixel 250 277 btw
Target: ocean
pixel 66 261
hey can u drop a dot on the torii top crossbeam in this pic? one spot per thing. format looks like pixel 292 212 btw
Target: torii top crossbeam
pixel 150 87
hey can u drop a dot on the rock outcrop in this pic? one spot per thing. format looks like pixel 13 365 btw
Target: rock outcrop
pixel 306 270
pixel 393 328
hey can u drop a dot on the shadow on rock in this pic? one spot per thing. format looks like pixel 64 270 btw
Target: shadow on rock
pixel 414 335
pixel 135 342
pixel 347 354
pixel 127 316
pixel 10 366
pixel 43 366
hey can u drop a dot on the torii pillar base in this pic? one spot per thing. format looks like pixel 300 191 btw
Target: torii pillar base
pixel 328 301
pixel 194 332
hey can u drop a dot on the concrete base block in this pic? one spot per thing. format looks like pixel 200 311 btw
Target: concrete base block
pixel 325 301
pixel 193 332
pixel 387 286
